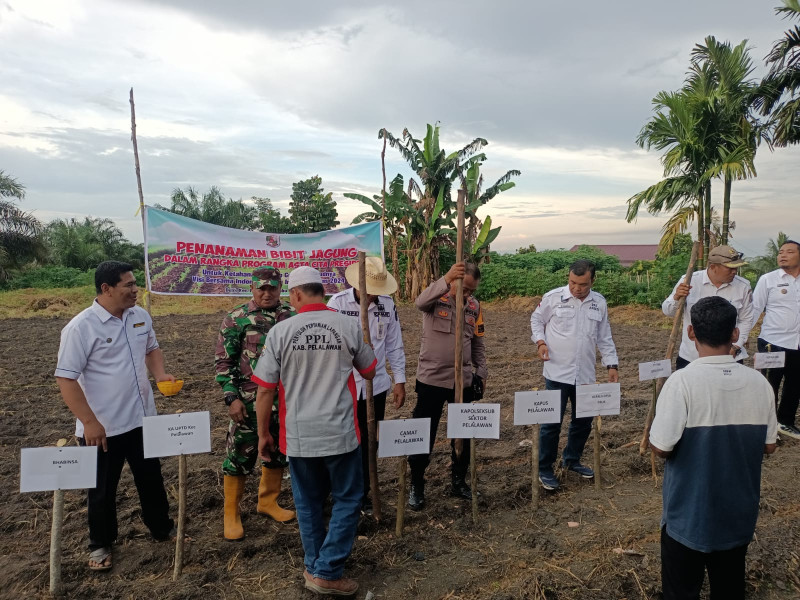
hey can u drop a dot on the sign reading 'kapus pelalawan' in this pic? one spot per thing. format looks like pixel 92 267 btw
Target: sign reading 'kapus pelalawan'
pixel 531 408
pixel 403 437
pixel 473 421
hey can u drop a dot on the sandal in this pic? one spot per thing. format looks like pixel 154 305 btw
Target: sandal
pixel 102 559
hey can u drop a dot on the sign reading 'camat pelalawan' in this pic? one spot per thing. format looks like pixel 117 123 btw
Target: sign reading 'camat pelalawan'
pixel 190 257
pixel 403 437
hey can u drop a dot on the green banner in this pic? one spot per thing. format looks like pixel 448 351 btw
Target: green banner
pixel 190 257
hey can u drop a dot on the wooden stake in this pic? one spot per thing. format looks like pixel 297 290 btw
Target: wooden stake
pixel 459 332
pixel 181 517
pixel 141 194
pixel 653 454
pixel 473 480
pixel 535 466
pixel 371 424
pixel 402 462
pixel 597 425
pixel 55 543
pixel 673 337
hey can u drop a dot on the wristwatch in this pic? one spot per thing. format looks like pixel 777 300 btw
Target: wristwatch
pixel 612 367
pixel 230 399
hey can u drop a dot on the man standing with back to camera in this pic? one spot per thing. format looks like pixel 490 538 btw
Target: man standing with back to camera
pixel 714 421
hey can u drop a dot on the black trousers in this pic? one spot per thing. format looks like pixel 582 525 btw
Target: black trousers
pixel 683 571
pixel 430 402
pixel 149 483
pixel 790 375
pixel 680 363
pixel 380 410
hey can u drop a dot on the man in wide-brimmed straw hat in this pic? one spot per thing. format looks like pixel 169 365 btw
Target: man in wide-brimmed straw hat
pixel 387 342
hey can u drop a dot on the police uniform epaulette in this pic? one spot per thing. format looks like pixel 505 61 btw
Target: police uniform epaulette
pixel 552 292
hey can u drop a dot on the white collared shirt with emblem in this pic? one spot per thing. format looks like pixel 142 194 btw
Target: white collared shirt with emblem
pixel 106 355
pixel 385 335
pixel 778 293
pixel 738 292
pixel 573 330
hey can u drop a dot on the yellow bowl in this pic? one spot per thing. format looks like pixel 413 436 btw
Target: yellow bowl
pixel 169 388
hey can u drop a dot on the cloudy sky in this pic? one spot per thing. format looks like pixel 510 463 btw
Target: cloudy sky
pixel 252 95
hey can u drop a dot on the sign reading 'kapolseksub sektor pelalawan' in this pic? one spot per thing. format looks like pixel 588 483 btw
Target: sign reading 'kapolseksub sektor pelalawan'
pixel 189 257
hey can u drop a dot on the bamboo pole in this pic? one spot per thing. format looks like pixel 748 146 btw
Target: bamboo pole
pixel 535 466
pixel 459 332
pixel 55 543
pixel 652 454
pixel 673 337
pixel 597 426
pixel 473 480
pixel 371 424
pixel 181 517
pixel 141 194
pixel 402 462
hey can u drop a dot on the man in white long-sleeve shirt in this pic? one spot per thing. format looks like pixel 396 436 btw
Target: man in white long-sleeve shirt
pixel 719 279
pixel 568 326
pixel 778 293
pixel 387 343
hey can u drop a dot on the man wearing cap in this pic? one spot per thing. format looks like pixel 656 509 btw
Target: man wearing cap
pixel 778 293
pixel 387 343
pixel 719 279
pixel 435 384
pixel 241 338
pixel 308 360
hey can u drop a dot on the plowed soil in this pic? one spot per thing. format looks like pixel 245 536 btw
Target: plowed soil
pixel 511 552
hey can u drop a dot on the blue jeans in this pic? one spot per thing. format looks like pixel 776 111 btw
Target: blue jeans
pixel 312 480
pixel 579 430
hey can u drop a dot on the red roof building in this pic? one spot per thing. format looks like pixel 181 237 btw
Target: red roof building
pixel 627 253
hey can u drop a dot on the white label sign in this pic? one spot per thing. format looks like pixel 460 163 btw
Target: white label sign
pixel 404 437
pixel 45 469
pixel 173 435
pixel 473 421
pixel 537 407
pixel 597 399
pixel 770 360
pixel 655 369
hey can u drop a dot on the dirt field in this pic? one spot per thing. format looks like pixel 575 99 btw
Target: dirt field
pixel 512 552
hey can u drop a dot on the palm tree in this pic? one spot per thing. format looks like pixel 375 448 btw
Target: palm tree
pixel 20 232
pixel 85 244
pixel 736 133
pixel 779 92
pixel 213 207
pixel 708 132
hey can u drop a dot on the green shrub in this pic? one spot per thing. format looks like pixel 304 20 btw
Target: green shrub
pixel 57 277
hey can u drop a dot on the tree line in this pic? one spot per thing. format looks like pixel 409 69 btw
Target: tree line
pixel 711 128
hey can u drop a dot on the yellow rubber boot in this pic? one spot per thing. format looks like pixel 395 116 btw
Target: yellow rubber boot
pixel 234 487
pixel 268 490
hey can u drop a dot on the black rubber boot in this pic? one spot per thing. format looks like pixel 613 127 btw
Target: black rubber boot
pixel 416 498
pixel 460 489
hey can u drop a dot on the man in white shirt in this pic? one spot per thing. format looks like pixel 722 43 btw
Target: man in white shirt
pixel 719 279
pixel 568 326
pixel 103 360
pixel 387 343
pixel 778 293
pixel 714 422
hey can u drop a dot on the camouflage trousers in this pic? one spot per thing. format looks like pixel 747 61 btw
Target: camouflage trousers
pixel 241 444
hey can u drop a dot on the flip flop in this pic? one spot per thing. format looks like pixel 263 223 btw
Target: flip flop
pixel 101 556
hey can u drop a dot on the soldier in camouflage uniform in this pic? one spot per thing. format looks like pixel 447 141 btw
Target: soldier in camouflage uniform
pixel 239 345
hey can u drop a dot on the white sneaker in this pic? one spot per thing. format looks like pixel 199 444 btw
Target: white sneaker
pixel 789 431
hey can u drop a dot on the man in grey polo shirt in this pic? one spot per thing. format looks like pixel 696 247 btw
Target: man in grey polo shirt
pixel 309 360
pixel 103 360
